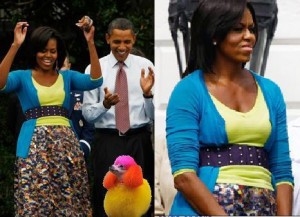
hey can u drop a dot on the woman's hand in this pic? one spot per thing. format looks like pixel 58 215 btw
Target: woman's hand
pixel 20 33
pixel 86 24
pixel 89 36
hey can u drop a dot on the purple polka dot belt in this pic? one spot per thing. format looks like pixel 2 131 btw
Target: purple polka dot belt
pixel 233 154
pixel 44 111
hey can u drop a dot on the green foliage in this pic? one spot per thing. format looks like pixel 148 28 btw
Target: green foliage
pixel 6 137
pixel 7 158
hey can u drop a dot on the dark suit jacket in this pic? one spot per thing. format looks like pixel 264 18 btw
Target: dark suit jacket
pixel 84 130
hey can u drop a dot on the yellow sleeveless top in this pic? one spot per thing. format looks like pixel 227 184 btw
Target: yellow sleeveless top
pixel 53 95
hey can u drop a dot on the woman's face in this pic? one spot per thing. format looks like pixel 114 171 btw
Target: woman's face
pixel 47 58
pixel 239 42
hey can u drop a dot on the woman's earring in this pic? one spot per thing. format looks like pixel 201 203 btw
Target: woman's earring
pixel 214 43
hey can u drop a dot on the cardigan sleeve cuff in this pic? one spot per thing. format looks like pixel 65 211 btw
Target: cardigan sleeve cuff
pixel 288 183
pixel 179 172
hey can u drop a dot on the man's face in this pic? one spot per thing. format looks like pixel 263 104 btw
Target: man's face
pixel 121 43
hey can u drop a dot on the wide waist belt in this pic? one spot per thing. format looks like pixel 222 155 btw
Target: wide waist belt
pixel 233 154
pixel 43 111
pixel 132 131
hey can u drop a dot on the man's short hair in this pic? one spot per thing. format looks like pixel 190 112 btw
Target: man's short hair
pixel 120 23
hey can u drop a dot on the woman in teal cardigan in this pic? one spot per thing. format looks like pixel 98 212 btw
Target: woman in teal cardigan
pixel 51 177
pixel 226 126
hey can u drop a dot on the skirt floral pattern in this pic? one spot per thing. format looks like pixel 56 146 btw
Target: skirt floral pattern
pixel 53 179
pixel 239 200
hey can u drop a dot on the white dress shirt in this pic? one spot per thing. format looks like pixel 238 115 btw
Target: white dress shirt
pixel 141 110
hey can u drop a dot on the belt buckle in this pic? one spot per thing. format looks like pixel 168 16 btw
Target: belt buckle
pixel 121 134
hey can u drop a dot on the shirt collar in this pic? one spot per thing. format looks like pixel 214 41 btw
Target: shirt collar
pixel 113 61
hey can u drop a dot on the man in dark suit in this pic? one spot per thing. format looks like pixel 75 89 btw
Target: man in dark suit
pixel 84 130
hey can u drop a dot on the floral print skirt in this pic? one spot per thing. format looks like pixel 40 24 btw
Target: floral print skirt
pixel 239 200
pixel 53 179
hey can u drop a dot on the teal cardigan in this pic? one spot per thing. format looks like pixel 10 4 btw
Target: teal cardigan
pixel 20 81
pixel 193 121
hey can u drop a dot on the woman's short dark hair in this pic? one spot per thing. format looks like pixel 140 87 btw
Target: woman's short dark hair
pixel 38 41
pixel 212 20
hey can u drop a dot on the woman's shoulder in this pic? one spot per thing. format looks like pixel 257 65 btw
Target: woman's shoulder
pixel 270 89
pixel 28 71
pixel 69 72
pixel 192 81
pixel 191 88
pixel 267 83
pixel 24 73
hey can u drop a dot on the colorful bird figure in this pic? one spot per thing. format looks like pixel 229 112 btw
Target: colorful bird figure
pixel 128 193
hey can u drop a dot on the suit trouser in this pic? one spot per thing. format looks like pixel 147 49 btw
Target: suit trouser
pixel 107 147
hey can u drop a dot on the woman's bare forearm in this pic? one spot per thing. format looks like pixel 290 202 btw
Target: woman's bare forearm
pixel 95 64
pixel 6 63
pixel 197 194
pixel 284 199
